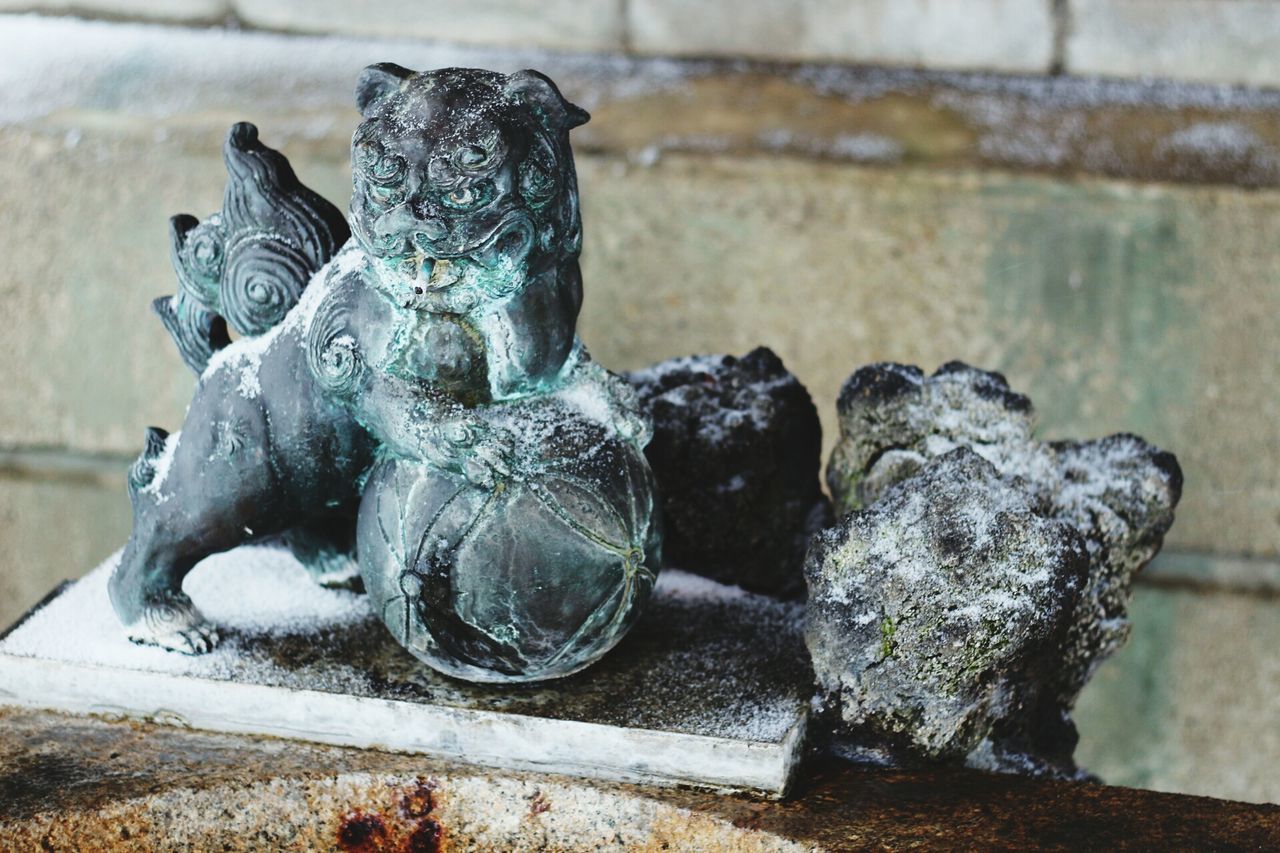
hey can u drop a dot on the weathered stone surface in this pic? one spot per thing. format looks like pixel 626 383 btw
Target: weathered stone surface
pixel 892 421
pixel 935 612
pixel 736 450
pixel 87 76
pixel 561 24
pixel 1004 35
pixel 1181 39
pixel 1118 492
pixel 87 783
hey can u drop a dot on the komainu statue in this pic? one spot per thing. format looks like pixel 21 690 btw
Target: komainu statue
pixel 407 404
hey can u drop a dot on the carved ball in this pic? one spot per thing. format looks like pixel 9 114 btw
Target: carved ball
pixel 533 578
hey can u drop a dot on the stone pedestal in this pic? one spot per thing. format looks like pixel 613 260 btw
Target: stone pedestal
pixel 712 688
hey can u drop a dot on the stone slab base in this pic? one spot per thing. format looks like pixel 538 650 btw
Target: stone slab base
pixel 711 689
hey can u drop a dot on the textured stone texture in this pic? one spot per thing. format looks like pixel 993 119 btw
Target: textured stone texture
pixel 735 448
pixel 893 420
pixel 1118 492
pixel 561 24
pixel 1004 35
pixel 1211 40
pixel 96 785
pixel 938 611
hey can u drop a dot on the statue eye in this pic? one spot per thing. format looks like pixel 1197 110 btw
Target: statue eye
pixel 387 169
pixel 386 195
pixel 468 197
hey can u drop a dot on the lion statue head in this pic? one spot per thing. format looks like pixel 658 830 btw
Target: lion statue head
pixel 464 183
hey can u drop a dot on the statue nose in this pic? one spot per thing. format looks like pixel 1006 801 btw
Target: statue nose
pixel 427 231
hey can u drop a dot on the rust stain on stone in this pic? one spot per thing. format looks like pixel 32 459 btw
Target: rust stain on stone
pixel 406 826
pixel 538 804
pixel 418 800
pixel 426 837
pixel 359 832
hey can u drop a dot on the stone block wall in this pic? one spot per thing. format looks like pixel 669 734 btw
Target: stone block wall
pixel 845 182
pixel 1215 41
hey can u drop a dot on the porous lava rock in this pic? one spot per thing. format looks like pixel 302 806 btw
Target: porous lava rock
pixel 1119 492
pixel 932 610
pixel 736 451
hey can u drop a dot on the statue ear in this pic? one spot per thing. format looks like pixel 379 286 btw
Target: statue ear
pixel 377 83
pixel 551 108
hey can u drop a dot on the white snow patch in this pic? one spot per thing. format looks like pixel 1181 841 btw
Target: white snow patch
pixel 867 147
pixel 1213 139
pixel 691 587
pixel 161 464
pixel 591 399
pixel 245 356
pixel 254 590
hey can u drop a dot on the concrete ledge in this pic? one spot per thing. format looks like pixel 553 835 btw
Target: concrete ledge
pixel 81 782
pixel 1181 570
pixel 90 78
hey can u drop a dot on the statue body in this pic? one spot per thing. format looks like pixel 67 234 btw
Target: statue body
pixel 417 407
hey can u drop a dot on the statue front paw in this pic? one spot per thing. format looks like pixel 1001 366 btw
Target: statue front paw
pixel 489 462
pixel 174 623
pixel 482 454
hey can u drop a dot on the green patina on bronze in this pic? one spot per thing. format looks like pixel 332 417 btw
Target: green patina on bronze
pixel 411 389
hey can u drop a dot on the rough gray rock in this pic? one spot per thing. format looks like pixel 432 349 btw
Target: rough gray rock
pixel 893 419
pixel 1119 492
pixel 736 450
pixel 932 610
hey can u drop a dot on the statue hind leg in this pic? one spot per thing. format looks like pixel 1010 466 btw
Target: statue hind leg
pixel 190 500
pixel 222 482
pixel 326 547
